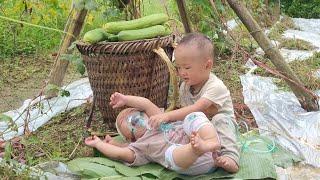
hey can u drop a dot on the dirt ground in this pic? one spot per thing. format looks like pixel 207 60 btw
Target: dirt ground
pixel 22 78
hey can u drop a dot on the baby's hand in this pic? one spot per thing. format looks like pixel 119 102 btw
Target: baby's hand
pixel 92 141
pixel 156 120
pixel 117 100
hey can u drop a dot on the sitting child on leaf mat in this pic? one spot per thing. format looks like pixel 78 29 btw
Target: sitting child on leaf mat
pixel 187 147
pixel 202 91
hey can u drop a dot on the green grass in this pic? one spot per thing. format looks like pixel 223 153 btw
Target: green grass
pixel 296 44
pixel 26 40
pixel 61 139
pixel 12 171
pixel 21 39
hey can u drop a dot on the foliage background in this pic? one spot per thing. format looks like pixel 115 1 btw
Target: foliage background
pixel 19 39
pixel 301 8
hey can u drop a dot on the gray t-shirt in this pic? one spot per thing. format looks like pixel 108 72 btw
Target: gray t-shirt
pixel 213 90
pixel 224 120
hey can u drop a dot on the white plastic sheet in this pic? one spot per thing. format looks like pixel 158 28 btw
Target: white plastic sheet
pixel 309 25
pixel 291 55
pixel 317 73
pixel 308 30
pixel 279 116
pixel 37 112
pixel 231 24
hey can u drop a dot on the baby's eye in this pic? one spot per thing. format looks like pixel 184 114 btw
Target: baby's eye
pixel 188 68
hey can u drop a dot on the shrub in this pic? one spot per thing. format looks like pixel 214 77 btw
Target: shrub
pixel 301 8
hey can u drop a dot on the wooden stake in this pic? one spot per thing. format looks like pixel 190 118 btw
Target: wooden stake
pixel 60 66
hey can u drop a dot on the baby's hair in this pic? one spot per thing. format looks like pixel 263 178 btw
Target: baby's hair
pixel 200 41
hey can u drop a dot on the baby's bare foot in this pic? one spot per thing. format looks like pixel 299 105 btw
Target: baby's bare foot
pixel 198 145
pixel 226 163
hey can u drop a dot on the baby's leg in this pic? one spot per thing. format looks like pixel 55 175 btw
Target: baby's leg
pixel 184 156
pixel 203 138
pixel 203 135
pixel 183 160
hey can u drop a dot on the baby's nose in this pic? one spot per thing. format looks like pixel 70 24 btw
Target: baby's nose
pixel 182 73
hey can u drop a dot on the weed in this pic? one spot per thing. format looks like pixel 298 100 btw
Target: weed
pixel 301 8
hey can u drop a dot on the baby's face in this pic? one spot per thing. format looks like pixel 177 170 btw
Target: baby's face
pixel 134 126
pixel 192 67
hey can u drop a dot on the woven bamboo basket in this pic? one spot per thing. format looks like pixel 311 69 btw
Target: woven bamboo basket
pixel 127 67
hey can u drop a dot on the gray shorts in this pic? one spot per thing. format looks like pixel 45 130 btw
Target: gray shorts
pixel 226 128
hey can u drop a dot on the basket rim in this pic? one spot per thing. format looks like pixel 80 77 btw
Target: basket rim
pixel 123 47
pixel 82 43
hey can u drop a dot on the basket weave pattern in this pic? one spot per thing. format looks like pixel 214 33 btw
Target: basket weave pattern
pixel 127 67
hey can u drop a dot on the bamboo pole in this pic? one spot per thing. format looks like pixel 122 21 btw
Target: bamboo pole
pixel 184 17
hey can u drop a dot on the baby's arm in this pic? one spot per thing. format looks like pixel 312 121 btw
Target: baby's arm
pixel 111 151
pixel 119 100
pixel 199 106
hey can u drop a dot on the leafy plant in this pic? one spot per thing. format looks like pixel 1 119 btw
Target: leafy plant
pixel 77 60
pixel 301 8
pixel 51 88
pixel 7 151
pixel 207 21
pixel 10 123
pixel 19 39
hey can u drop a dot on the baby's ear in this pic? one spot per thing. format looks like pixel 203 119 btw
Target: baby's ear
pixel 209 64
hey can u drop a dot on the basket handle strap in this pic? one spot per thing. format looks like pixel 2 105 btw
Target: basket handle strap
pixel 173 78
